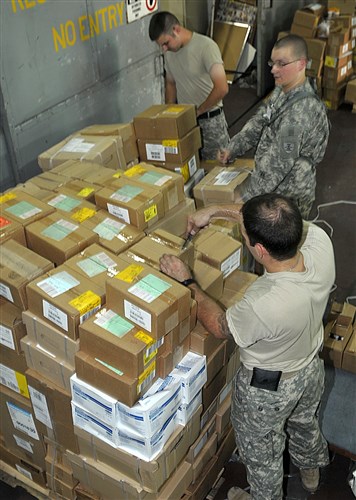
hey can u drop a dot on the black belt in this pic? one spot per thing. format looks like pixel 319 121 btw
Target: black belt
pixel 210 114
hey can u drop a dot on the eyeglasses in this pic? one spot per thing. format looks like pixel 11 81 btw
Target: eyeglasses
pixel 280 64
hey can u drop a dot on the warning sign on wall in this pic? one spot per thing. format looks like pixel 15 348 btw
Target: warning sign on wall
pixel 136 9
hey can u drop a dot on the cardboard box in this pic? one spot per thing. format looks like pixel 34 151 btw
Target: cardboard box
pixel 131 203
pixel 13 367
pixel 12 328
pixel 57 465
pixel 43 332
pixel 49 181
pixel 165 121
pixel 31 189
pixel 333 98
pixel 333 76
pixel 112 382
pixel 27 469
pixel 349 357
pixel 307 18
pixel 18 427
pixel 187 169
pixel 344 7
pixel 204 456
pixel 210 391
pixel 340 50
pixel 175 221
pixel 218 250
pixel 337 334
pixel 337 62
pixel 10 229
pixel 235 286
pixel 191 372
pixel 58 238
pixel 73 207
pixel 233 365
pixel 223 416
pixel 209 278
pixel 44 362
pixel 215 362
pixel 350 95
pixel 170 150
pixel 119 343
pixel 202 342
pixel 150 475
pixel 124 130
pixel 19 266
pixel 221 184
pixel 148 298
pixel 113 235
pixel 170 184
pixel 81 189
pixel 338 38
pixel 314 67
pixel 91 173
pixel 303 31
pixel 65 299
pixel 104 150
pixel 316 48
pixel 23 208
pixel 151 248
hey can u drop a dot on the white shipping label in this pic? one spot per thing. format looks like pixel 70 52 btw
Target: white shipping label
pixel 57 284
pixel 40 408
pixel 8 378
pixel 6 292
pixel 22 443
pixel 224 178
pixel 77 145
pixel 138 315
pixel 231 263
pixel 6 337
pixel 119 212
pixel 192 165
pixel 55 315
pixel 23 471
pixel 22 420
pixel 155 152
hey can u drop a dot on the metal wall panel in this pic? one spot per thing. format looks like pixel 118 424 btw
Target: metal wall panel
pixel 67 64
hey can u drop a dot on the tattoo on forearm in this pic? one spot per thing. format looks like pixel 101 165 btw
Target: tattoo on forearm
pixel 223 326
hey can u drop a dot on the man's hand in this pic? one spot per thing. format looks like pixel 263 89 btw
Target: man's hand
pixel 174 267
pixel 199 219
pixel 223 155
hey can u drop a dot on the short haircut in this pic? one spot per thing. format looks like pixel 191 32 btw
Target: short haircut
pixel 300 48
pixel 162 23
pixel 274 221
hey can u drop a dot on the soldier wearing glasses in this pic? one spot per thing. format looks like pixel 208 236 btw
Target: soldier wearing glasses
pixel 290 131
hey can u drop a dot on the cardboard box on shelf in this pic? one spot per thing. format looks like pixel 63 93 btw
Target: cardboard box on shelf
pixel 13 368
pixel 148 298
pixel 132 204
pixel 187 168
pixel 337 334
pixel 336 62
pixel 170 150
pixel 333 76
pixel 338 38
pixel 333 98
pixel 340 50
pixel 165 121
pixel 107 151
pixel 316 48
pixel 209 278
pixel 123 130
pixel 171 184
pixel 49 181
pixel 19 266
pixel 12 327
pixel 221 184
pixel 343 7
pixel 73 207
pixel 10 229
pixel 65 298
pixel 24 467
pixel 119 343
pixel 58 238
pixel 23 208
pixel 303 31
pixel 92 173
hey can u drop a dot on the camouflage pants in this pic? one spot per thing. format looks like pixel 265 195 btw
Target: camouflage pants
pixel 263 419
pixel 215 135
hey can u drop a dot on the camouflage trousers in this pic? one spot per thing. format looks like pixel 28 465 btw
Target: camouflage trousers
pixel 263 420
pixel 215 135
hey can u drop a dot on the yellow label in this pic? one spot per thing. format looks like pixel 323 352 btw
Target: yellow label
pixel 87 301
pixel 149 357
pixel 170 143
pixel 22 383
pixel 330 61
pixel 7 197
pixel 130 273
pixel 150 212
pixel 117 175
pixel 135 170
pixel 185 172
pixel 149 371
pixel 174 109
pixel 83 214
pixel 147 339
pixel 85 192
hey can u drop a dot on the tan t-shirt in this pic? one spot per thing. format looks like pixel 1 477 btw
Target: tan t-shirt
pixel 278 323
pixel 190 68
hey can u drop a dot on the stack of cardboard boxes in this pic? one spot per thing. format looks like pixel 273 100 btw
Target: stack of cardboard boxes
pixel 330 50
pixel 106 378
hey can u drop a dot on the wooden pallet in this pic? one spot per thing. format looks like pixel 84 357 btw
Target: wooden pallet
pixel 14 478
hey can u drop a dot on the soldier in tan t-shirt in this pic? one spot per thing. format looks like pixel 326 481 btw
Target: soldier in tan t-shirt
pixel 278 328
pixel 194 75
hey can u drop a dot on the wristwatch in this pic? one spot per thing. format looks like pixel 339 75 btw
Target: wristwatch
pixel 188 282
